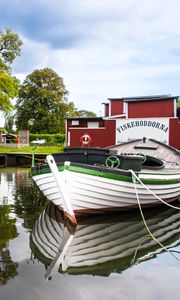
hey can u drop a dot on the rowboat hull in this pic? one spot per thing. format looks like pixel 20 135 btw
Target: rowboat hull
pixel 94 189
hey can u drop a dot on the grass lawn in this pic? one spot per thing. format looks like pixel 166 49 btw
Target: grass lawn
pixel 37 149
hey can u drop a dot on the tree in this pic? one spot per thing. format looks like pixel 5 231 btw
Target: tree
pixel 8 90
pixel 86 113
pixel 10 45
pixel 9 122
pixel 42 105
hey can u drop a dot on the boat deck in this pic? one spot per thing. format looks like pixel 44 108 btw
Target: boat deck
pixel 170 156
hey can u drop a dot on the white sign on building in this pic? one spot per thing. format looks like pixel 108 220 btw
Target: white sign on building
pixel 130 129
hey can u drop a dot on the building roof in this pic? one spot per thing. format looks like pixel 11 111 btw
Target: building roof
pixel 145 98
pixel 81 118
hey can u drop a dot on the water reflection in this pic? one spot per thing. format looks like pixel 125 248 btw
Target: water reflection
pixel 19 198
pixel 19 192
pixel 8 231
pixel 100 245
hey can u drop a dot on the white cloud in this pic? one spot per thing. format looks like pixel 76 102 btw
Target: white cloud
pixel 102 48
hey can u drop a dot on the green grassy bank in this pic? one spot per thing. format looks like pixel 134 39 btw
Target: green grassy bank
pixel 36 149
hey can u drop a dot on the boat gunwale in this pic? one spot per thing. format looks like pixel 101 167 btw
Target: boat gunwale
pixel 105 172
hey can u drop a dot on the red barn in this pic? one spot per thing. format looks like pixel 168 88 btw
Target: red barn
pixel 126 119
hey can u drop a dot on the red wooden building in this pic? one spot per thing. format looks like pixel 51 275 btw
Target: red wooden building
pixel 126 119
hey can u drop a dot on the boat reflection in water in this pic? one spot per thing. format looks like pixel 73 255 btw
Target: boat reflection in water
pixel 100 245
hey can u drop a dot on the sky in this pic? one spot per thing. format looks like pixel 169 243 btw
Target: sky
pixel 101 48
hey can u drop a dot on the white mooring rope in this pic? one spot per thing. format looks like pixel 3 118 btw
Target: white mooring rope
pixel 151 192
pixel 142 215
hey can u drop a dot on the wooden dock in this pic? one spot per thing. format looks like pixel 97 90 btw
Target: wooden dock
pixel 20 159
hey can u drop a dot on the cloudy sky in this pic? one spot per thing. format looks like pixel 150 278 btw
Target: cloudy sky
pixel 101 48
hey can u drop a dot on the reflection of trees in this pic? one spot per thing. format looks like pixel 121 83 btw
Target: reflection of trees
pixel 29 201
pixel 8 268
pixel 8 228
pixel 9 177
pixel 8 231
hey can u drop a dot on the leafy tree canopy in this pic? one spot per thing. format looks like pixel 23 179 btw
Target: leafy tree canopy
pixel 86 113
pixel 8 91
pixel 9 48
pixel 10 45
pixel 41 106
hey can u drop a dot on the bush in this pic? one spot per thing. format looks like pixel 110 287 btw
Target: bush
pixel 57 138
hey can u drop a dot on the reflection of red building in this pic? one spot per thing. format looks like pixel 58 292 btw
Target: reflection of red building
pixel 126 119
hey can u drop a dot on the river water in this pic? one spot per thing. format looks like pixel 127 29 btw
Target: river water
pixel 110 257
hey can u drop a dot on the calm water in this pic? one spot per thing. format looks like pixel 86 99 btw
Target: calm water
pixel 110 257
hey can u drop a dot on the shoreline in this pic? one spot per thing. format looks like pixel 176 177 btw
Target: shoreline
pixel 20 159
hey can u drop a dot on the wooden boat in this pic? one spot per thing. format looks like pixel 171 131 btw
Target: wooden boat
pixel 102 244
pixel 83 180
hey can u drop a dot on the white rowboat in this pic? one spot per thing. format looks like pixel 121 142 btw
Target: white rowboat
pixel 113 184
